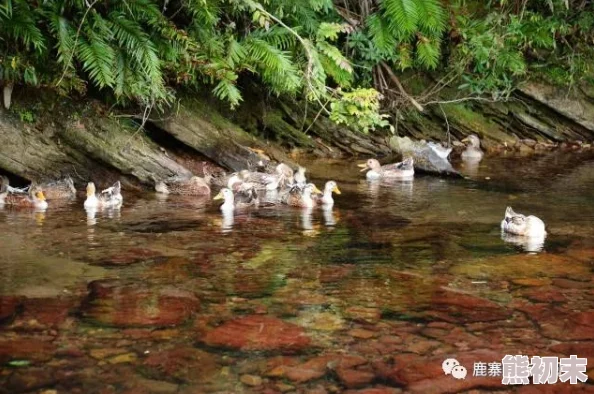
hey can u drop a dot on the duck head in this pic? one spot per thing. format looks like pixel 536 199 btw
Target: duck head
pixel 473 140
pixel 371 164
pixel 330 187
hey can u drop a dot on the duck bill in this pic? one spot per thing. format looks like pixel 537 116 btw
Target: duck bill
pixel 465 140
pixel 316 190
pixel 363 167
pixel 218 196
pixel 336 190
pixel 41 196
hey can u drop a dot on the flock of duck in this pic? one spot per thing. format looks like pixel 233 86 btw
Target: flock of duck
pixel 244 189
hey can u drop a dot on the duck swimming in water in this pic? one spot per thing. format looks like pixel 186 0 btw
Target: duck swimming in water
pixel 231 202
pixel 518 224
pixel 108 198
pixel 58 190
pixel 35 198
pixel 329 188
pixel 473 151
pixel 195 186
pixel 403 170
pixel 302 197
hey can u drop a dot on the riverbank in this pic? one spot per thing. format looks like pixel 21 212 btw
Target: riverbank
pixel 45 136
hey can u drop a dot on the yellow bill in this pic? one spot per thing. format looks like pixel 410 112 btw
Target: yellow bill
pixel 41 196
pixel 336 190
pixel 218 196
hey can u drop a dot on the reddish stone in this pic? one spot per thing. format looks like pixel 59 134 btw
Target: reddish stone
pixel 571 284
pixel 562 324
pixel 25 349
pixel 113 303
pixel 183 364
pixel 132 256
pixel 544 294
pixel 456 307
pixel 353 378
pixel 581 349
pixel 361 333
pixel 257 332
pixel 362 314
pixel 50 312
pixel 299 374
pixel 8 307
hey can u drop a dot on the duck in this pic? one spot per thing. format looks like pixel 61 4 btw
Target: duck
pixel 473 151
pixel 35 198
pixel 329 188
pixel 59 190
pixel 230 203
pixel 402 170
pixel 108 198
pixel 302 197
pixel 518 224
pixel 195 186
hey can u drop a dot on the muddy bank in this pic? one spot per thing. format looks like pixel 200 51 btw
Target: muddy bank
pixel 45 137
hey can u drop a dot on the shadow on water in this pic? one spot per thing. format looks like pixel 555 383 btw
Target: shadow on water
pixel 171 295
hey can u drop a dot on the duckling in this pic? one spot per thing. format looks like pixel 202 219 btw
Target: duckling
pixel 35 199
pixel 330 187
pixel 60 189
pixel 302 198
pixel 108 198
pixel 473 151
pixel 402 170
pixel 518 224
pixel 195 186
pixel 230 202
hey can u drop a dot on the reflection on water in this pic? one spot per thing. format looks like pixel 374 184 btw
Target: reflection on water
pixel 173 295
pixel 528 244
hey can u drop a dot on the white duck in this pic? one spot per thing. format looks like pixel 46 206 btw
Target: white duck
pixel 473 151
pixel 518 224
pixel 108 198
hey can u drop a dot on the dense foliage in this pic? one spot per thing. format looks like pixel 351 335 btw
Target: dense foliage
pixel 333 53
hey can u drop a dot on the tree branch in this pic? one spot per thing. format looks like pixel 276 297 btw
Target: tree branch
pixel 396 81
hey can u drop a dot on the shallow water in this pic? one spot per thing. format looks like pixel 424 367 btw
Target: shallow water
pixel 169 295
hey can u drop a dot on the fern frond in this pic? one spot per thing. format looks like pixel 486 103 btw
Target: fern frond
pixel 97 58
pixel 64 34
pixel 341 76
pixel 381 34
pixel 432 17
pixel 428 53
pixel 20 23
pixel 274 65
pixel 133 38
pixel 334 53
pixel 402 16
pixel 226 90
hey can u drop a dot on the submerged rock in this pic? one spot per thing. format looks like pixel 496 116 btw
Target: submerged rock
pixel 113 303
pixel 256 332
pixel 182 364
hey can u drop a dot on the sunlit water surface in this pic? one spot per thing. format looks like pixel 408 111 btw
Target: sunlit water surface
pixel 391 270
